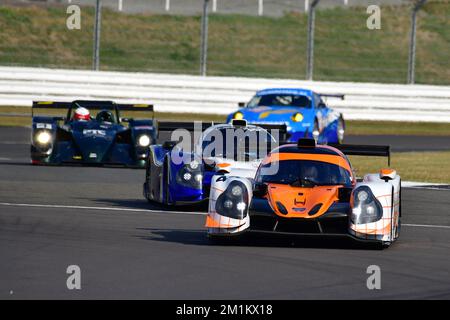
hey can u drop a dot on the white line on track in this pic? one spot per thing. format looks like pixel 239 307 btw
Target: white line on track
pixel 94 208
pixel 14 142
pixel 425 226
pixel 5 159
pixel 9 204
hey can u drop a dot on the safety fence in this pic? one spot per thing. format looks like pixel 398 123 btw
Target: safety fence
pixel 218 95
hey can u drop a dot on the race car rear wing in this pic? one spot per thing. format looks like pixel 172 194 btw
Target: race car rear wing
pixel 364 150
pixel 90 104
pixel 326 95
pixel 135 107
pixel 190 126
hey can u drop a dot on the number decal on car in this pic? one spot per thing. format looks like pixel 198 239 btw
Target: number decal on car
pixel 221 179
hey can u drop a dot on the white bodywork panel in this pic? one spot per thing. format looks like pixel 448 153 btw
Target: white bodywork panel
pixel 388 194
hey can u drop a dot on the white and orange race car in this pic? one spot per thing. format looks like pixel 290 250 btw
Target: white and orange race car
pixel 309 189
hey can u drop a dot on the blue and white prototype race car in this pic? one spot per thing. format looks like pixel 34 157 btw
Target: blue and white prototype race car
pixel 303 111
pixel 177 176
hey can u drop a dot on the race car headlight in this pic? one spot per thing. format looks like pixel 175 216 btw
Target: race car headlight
pixel 43 137
pixel 238 116
pixel 190 175
pixel 194 165
pixel 144 140
pixel 297 117
pixel 233 203
pixel 366 208
pixel 236 191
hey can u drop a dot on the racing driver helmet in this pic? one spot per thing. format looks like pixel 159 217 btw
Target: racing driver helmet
pixel 82 114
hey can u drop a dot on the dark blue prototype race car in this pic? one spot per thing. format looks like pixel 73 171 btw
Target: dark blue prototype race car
pixel 80 138
pixel 303 111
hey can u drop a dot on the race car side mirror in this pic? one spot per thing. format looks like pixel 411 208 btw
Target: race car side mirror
pixel 241 104
pixel 260 190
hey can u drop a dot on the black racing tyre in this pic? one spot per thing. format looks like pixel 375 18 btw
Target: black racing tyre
pixel 147 182
pixel 166 193
pixel 385 244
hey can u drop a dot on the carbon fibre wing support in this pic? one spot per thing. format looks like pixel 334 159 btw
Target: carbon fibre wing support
pixel 364 150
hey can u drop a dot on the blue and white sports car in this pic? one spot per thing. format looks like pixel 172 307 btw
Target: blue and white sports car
pixel 177 176
pixel 303 111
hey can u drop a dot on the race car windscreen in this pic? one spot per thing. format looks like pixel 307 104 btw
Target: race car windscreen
pixel 104 115
pixel 238 144
pixel 282 100
pixel 304 173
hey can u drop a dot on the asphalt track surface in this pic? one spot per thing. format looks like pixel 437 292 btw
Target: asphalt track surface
pixel 96 218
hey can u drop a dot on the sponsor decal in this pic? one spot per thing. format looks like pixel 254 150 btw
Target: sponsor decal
pixel 43 126
pixel 94 132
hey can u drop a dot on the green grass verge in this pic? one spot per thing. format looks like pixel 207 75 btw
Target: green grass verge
pixel 361 127
pixel 238 45
pixel 412 166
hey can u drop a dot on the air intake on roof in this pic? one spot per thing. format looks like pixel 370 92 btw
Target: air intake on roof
pixel 306 143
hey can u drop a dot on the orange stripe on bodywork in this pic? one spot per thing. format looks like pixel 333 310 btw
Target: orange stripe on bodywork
pixel 387 195
pixel 220 190
pixel 386 171
pixel 328 158
pixel 211 223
